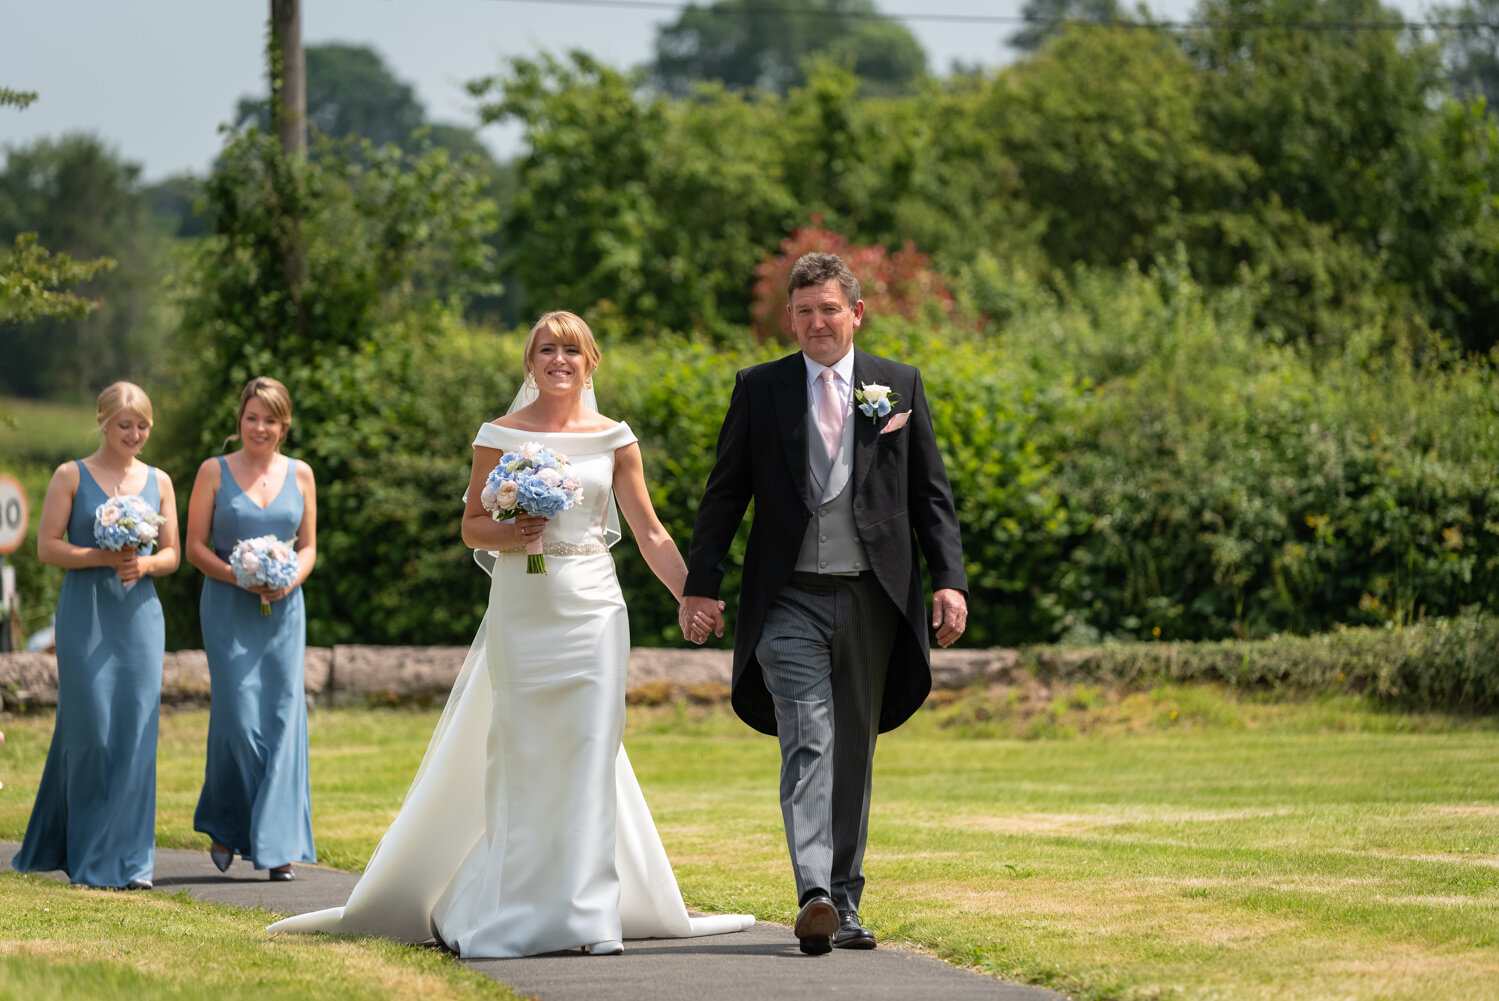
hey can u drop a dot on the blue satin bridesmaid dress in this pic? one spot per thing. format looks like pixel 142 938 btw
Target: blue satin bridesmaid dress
pixel 256 797
pixel 95 812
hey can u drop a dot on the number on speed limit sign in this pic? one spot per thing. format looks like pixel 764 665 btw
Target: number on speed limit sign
pixel 14 516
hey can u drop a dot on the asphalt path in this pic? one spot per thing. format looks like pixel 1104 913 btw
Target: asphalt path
pixel 757 965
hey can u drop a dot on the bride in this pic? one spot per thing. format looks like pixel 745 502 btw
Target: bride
pixel 549 846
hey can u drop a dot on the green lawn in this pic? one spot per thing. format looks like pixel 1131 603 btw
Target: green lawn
pixel 1189 845
pixel 60 942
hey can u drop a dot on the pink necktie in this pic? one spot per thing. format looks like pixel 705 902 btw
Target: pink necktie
pixel 830 413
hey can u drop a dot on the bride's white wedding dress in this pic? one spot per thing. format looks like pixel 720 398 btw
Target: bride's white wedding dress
pixel 524 830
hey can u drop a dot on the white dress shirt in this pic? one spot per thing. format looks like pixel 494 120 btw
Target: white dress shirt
pixel 843 379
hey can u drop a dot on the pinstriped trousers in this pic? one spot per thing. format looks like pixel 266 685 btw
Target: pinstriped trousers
pixel 823 652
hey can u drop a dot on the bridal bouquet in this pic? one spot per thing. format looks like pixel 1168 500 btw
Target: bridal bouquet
pixel 536 481
pixel 126 522
pixel 264 561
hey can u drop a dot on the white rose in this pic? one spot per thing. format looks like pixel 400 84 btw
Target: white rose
pixel 250 564
pixel 147 532
pixel 874 393
pixel 279 552
pixel 550 477
pixel 530 450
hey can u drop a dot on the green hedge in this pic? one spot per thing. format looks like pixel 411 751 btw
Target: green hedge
pixel 1443 664
pixel 1130 461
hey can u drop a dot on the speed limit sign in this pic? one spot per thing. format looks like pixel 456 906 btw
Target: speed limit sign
pixel 14 517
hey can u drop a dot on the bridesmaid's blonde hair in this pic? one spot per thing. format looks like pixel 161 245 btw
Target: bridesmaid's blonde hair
pixel 119 397
pixel 567 329
pixel 276 400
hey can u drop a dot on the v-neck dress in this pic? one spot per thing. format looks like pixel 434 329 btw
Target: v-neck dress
pixel 95 811
pixel 256 796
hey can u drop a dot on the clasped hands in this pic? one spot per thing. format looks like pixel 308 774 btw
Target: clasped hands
pixel 125 562
pixel 698 616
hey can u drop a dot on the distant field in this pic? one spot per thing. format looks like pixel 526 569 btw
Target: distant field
pixel 37 432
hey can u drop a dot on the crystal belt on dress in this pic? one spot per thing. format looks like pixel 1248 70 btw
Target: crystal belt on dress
pixel 552 547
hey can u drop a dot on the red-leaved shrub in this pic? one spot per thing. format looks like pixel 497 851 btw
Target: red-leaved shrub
pixel 899 283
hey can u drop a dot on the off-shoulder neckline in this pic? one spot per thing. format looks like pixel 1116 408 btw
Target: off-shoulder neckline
pixel 570 434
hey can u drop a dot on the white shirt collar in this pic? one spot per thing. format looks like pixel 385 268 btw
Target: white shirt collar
pixel 844 367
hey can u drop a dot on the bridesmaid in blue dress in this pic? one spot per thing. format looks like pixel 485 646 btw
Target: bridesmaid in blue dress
pixel 256 799
pixel 95 812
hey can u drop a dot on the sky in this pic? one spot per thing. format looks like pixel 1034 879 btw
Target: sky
pixel 156 78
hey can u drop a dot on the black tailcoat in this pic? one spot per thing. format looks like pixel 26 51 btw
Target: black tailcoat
pixel 901 498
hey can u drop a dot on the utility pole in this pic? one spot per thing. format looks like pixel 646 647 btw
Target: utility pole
pixel 288 76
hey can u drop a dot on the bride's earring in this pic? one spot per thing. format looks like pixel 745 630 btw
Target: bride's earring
pixel 588 382
pixel 530 381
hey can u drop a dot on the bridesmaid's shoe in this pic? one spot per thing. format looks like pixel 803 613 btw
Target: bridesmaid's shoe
pixel 282 875
pixel 221 859
pixel 608 947
pixel 139 884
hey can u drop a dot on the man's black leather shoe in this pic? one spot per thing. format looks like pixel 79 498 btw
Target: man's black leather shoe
pixel 851 934
pixel 815 924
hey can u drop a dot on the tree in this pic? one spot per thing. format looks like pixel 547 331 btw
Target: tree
pixel 33 280
pixel 1046 18
pixel 85 203
pixel 22 99
pixel 1104 128
pixel 175 201
pixel 351 91
pixel 1472 52
pixel 1350 133
pixel 634 206
pixel 747 44
pixel 394 245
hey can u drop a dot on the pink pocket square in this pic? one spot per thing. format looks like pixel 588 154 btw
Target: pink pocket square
pixel 896 422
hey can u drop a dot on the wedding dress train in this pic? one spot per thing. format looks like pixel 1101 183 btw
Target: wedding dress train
pixel 525 830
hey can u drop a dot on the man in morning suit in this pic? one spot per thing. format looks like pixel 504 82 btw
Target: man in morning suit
pixel 831 646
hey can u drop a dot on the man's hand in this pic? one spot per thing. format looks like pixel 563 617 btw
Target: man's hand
pixel 949 615
pixel 699 616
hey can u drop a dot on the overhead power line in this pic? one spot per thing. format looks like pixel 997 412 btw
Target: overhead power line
pixel 1016 19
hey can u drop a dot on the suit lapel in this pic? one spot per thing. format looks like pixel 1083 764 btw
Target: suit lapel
pixel 865 431
pixel 789 394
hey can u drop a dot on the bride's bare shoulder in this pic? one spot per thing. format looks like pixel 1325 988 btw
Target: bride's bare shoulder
pixel 517 421
pixel 595 423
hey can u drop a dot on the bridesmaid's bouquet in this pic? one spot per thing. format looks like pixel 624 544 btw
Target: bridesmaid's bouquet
pixel 264 561
pixel 535 481
pixel 126 522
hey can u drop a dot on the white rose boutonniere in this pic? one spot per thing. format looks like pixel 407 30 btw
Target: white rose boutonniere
pixel 875 400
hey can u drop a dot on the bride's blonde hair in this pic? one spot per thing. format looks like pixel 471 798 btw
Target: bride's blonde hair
pixel 567 329
pixel 119 397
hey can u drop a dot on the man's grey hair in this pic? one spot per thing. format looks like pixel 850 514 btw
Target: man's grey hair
pixel 818 268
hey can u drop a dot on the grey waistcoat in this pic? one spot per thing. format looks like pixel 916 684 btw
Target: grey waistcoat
pixel 831 544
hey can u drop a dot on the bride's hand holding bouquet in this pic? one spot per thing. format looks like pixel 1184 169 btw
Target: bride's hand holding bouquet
pixel 534 481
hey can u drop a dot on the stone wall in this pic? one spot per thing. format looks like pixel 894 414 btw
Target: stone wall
pixel 416 674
